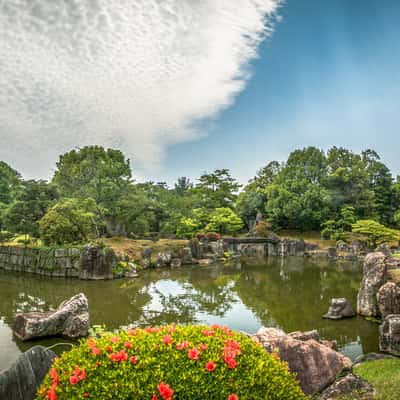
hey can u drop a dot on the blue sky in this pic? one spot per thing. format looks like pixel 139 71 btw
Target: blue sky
pixel 329 75
pixel 167 82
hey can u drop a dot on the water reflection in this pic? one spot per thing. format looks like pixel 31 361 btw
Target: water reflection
pixel 290 293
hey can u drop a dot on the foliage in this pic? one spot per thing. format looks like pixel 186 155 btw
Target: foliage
pixel 263 229
pixel 375 232
pixel 10 181
pixel 383 375
pixel 336 229
pixel 5 236
pixel 225 221
pixel 70 221
pixel 171 362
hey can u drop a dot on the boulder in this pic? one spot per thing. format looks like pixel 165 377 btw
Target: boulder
pixel 315 364
pixel 205 261
pixel 339 308
pixel 176 262
pixel 97 262
pixel 163 260
pixel 385 249
pixel 351 385
pixel 71 319
pixel 186 256
pixel 389 335
pixel 389 299
pixel 131 271
pixel 22 380
pixel 374 271
pixel 195 248
pixel 217 248
pixel 146 256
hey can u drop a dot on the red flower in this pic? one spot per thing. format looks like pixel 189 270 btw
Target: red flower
pixel 119 356
pixel 172 329
pixel 73 380
pixel 208 332
pixel 210 366
pixel 233 396
pixel 98 364
pixel 215 326
pixel 96 351
pixel 165 391
pixel 203 346
pixel 167 339
pixel 114 339
pixel 51 394
pixel 128 345
pixel 181 346
pixel 193 354
pixel 86 394
pixel 231 362
pixel 108 349
pixel 133 360
pixel 232 345
pixel 154 397
pixel 54 376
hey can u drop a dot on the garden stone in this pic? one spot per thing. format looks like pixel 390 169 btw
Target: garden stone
pixel 339 308
pixel 71 319
pixel 163 260
pixel 351 385
pixel 384 248
pixel 23 378
pixel 186 256
pixel 315 364
pixel 374 271
pixel 389 299
pixel 97 262
pixel 195 248
pixel 389 335
pixel 176 262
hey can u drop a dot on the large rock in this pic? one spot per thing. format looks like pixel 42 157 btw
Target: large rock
pixel 71 319
pixel 350 385
pixel 340 308
pixel 315 364
pixel 389 299
pixel 374 271
pixel 196 248
pixel 186 255
pixel 389 335
pixel 97 262
pixel 163 260
pixel 22 380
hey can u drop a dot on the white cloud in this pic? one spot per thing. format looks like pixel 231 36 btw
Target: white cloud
pixel 132 74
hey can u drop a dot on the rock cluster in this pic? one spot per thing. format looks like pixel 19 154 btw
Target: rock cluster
pixel 71 319
pixel 340 308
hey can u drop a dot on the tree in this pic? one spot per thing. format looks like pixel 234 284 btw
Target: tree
pixel 70 221
pixel 336 229
pixel 375 232
pixel 183 185
pixel 217 189
pixel 225 221
pixel 31 205
pixel 93 172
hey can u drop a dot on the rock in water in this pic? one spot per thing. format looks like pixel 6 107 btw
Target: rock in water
pixel 374 271
pixel 352 385
pixel 389 299
pixel 71 319
pixel 389 335
pixel 315 364
pixel 22 380
pixel 340 308
pixel 97 262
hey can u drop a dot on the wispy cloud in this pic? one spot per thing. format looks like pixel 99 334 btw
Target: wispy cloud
pixel 132 74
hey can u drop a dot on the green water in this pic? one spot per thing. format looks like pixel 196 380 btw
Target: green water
pixel 290 293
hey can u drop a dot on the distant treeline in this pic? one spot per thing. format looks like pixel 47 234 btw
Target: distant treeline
pixel 92 194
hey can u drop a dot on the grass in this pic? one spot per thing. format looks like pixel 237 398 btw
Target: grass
pixel 384 375
pixel 134 248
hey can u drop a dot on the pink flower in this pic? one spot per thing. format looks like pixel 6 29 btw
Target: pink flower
pixel 181 346
pixel 133 360
pixel 114 339
pixel 193 354
pixel 128 345
pixel 165 391
pixel 233 396
pixel 203 346
pixel 167 339
pixel 210 366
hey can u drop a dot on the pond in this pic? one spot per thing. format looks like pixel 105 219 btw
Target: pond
pixel 291 293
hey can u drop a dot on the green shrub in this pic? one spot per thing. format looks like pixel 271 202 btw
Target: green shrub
pixel 5 236
pixel 171 362
pixel 263 229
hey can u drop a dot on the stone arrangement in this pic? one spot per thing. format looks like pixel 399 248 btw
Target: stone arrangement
pixel 340 308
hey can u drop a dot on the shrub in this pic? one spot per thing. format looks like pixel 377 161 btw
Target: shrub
pixel 5 236
pixel 263 229
pixel 212 236
pixel 375 232
pixel 172 362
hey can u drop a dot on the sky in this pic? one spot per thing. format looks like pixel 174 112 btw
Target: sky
pixel 184 87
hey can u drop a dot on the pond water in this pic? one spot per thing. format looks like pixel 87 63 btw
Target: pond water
pixel 291 293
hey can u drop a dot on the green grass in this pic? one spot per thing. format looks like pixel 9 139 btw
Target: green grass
pixel 384 375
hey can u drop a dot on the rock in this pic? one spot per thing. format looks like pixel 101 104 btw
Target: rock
pixel 71 319
pixel 131 271
pixel 22 380
pixel 186 256
pixel 358 247
pixel 339 308
pixel 374 271
pixel 163 260
pixel 315 364
pixel 291 247
pixel 342 246
pixel 308 335
pixel 352 385
pixel 385 249
pixel 97 262
pixel 331 252
pixel 195 248
pixel 205 261
pixel 371 357
pixel 389 335
pixel 146 256
pixel 389 299
pixel 176 262
pixel 217 248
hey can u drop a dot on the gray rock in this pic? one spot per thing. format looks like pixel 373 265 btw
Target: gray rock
pixel 374 271
pixel 315 364
pixel 308 335
pixel 205 261
pixel 195 248
pixel 389 299
pixel 97 262
pixel 385 249
pixel 71 319
pixel 371 357
pixel 22 380
pixel 186 256
pixel 389 335
pixel 340 308
pixel 217 248
pixel 163 260
pixel 176 262
pixel 352 385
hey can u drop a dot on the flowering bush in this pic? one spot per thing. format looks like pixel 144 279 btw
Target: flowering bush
pixel 168 363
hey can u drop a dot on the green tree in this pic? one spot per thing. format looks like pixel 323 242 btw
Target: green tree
pixel 182 186
pixel 336 229
pixel 225 221
pixel 30 206
pixel 70 221
pixel 375 232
